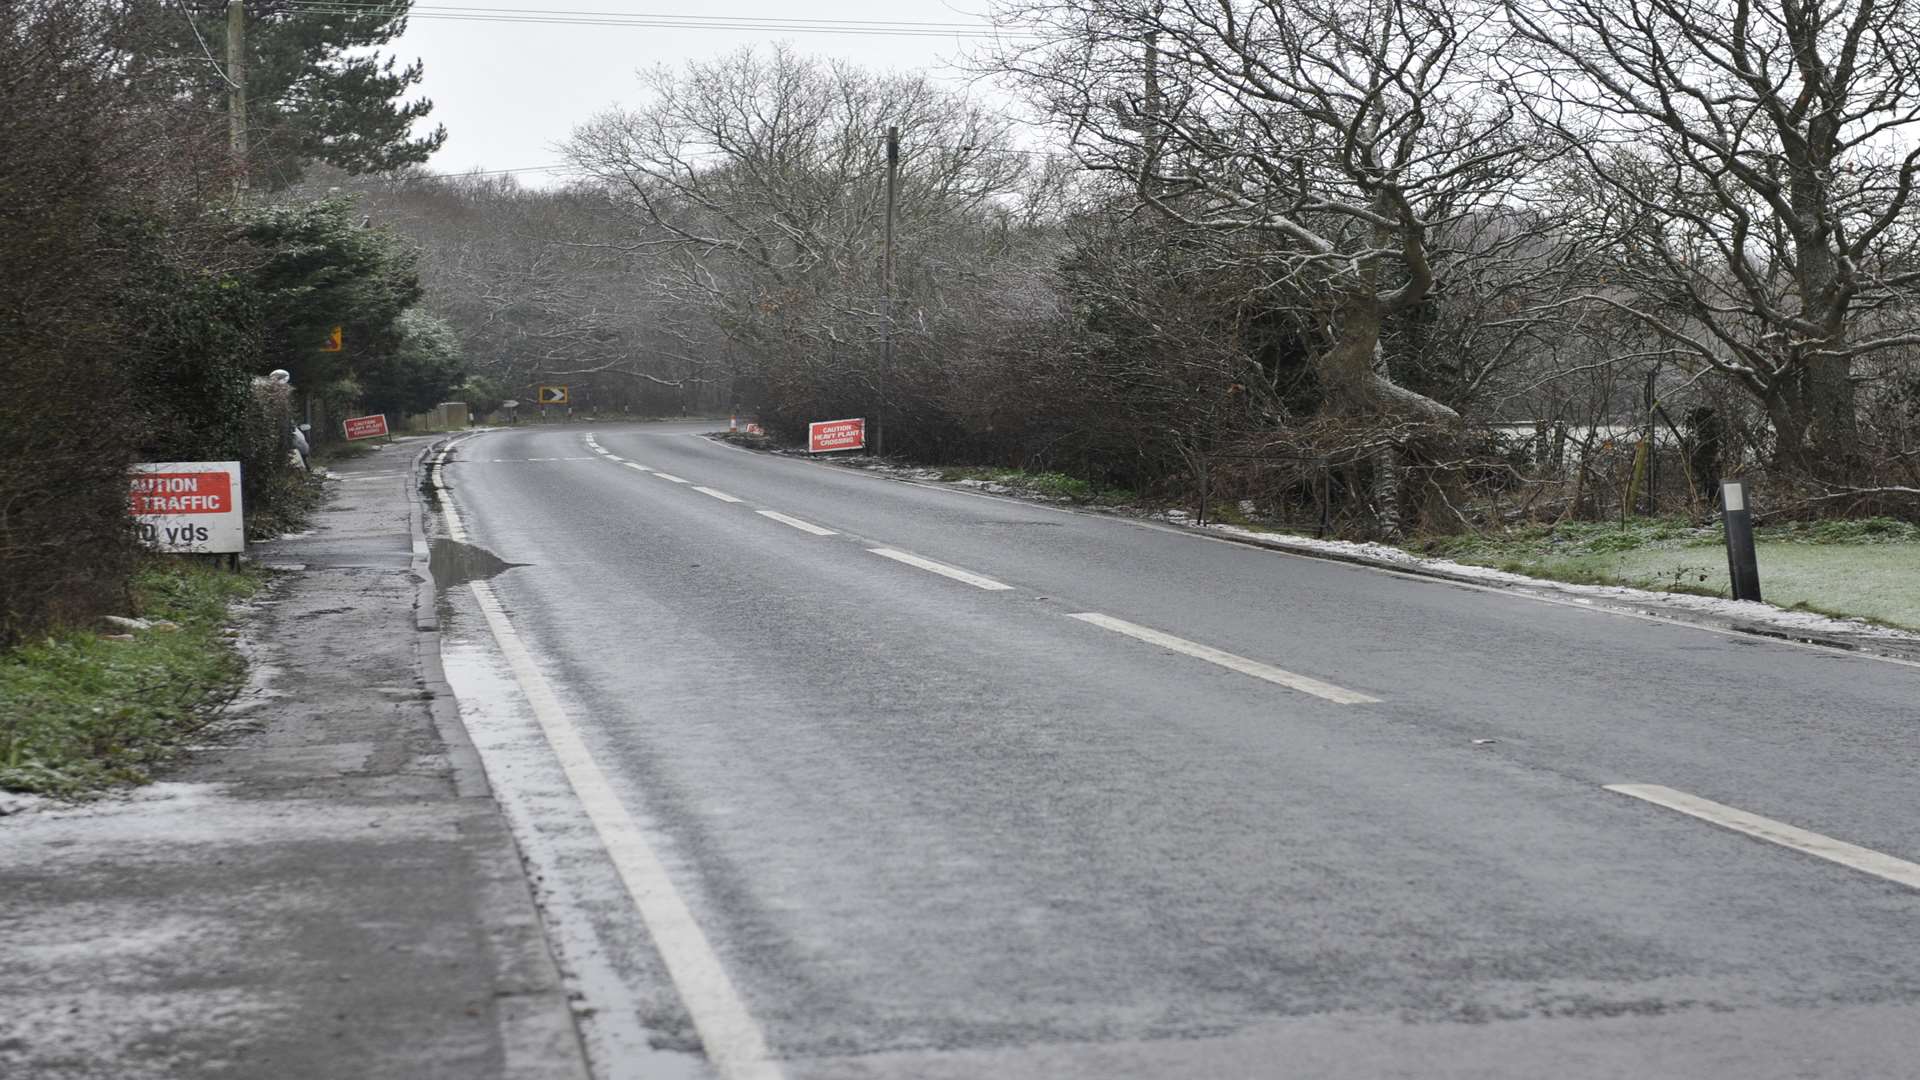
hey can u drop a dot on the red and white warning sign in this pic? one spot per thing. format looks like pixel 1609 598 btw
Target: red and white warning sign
pixel 826 435
pixel 366 427
pixel 191 506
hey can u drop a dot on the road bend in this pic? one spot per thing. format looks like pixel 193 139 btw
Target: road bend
pixel 831 775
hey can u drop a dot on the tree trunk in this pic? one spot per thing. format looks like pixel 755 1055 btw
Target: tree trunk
pixel 1346 369
pixel 1386 491
pixel 1826 441
pixel 1787 412
pixel 1350 370
pixel 1833 429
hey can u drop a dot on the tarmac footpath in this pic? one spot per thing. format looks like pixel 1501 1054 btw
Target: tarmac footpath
pixel 326 889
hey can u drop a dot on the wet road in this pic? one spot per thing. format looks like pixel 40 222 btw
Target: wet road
pixel 832 775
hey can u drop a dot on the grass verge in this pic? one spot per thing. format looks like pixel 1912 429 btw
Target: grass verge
pixel 1869 568
pixel 81 710
pixel 1051 485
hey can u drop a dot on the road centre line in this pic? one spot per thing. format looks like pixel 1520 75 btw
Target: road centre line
pixel 1231 661
pixel 669 476
pixel 721 495
pixel 730 1036
pixel 803 526
pixel 942 569
pixel 1865 860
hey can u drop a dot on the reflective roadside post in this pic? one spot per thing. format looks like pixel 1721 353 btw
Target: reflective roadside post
pixel 1743 570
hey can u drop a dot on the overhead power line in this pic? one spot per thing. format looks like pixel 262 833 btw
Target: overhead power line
pixel 380 5
pixel 462 13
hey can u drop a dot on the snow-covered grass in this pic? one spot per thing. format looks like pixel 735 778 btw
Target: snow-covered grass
pixel 1862 568
pixel 1810 620
pixel 1872 581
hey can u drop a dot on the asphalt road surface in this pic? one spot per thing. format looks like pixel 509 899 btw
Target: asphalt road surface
pixel 826 774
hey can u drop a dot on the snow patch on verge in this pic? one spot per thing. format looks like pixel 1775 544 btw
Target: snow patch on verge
pixel 1793 623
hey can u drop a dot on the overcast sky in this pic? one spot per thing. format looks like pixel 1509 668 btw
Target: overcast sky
pixel 508 91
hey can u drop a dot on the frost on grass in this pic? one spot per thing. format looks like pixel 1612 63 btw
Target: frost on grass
pixel 1834 578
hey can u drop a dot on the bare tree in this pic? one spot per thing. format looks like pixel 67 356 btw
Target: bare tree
pixel 1752 178
pixel 1357 137
pixel 757 181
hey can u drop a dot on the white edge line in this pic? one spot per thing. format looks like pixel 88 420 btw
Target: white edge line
pixel 728 1032
pixel 669 476
pixel 1339 695
pixel 1865 860
pixel 942 569
pixel 803 526
pixel 721 495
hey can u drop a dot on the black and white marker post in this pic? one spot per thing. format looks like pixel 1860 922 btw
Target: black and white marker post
pixel 1742 568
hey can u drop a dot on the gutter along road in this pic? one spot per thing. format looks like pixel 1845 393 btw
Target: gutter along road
pixel 831 775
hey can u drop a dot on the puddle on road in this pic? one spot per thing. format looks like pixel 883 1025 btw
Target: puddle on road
pixel 454 563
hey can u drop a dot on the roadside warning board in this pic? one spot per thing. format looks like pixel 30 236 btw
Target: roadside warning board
pixel 366 427
pixel 553 395
pixel 191 506
pixel 827 435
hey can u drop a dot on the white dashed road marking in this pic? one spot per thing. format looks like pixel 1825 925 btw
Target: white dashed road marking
pixel 1305 684
pixel 1865 860
pixel 942 569
pixel 803 526
pixel 669 476
pixel 721 495
pixel 636 465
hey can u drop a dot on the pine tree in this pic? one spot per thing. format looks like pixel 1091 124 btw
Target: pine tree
pixel 315 90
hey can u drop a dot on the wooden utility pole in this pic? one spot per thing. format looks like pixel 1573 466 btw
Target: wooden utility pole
pixel 237 92
pixel 886 273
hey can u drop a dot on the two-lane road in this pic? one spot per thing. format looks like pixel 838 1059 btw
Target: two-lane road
pixel 839 776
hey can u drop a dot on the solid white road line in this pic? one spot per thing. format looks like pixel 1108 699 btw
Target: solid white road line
pixel 942 569
pixel 1862 859
pixel 729 1034
pixel 721 495
pixel 669 476
pixel 803 526
pixel 636 465
pixel 1305 684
